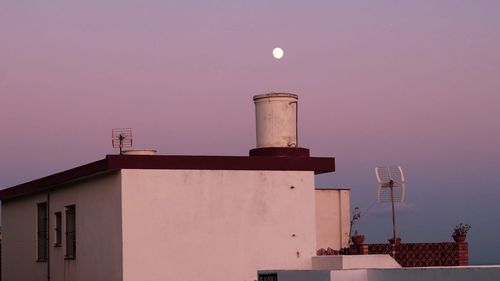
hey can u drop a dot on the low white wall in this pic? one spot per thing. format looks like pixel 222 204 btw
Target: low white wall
pixel 480 273
pixel 216 225
pixel 354 262
pixel 486 273
pixel 332 218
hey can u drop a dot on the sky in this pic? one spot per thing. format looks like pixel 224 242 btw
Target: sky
pixel 410 83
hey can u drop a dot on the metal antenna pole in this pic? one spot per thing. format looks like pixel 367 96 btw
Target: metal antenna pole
pixel 121 138
pixel 391 185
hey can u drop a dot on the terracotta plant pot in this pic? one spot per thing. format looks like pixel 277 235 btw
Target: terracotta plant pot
pixel 398 241
pixel 459 239
pixel 358 240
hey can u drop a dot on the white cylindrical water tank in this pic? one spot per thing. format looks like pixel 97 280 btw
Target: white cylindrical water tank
pixel 276 119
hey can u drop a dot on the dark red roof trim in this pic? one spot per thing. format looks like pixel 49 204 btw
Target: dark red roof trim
pixel 280 151
pixel 116 162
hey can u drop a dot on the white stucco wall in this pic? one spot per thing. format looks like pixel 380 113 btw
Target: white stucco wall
pixel 19 241
pixel 98 230
pixel 483 273
pixel 332 218
pixel 215 225
pixel 98 233
pixel 354 262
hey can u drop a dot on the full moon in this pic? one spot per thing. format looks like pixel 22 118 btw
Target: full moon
pixel 278 53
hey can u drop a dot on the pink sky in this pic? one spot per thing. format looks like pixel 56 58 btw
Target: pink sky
pixel 415 83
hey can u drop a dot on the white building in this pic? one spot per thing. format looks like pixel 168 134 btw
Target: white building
pixel 158 217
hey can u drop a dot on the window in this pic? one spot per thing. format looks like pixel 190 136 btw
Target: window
pixel 42 232
pixel 268 277
pixel 58 229
pixel 70 232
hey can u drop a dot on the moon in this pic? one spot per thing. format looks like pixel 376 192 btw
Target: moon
pixel 278 53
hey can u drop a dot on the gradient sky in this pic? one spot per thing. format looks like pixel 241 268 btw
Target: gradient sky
pixel 414 83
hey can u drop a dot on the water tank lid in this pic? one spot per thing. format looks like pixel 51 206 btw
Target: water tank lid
pixel 146 151
pixel 275 95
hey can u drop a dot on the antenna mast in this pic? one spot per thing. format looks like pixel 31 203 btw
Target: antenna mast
pixel 121 137
pixel 391 186
pixel 391 179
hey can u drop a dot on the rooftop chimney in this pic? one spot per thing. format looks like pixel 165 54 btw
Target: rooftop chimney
pixel 276 125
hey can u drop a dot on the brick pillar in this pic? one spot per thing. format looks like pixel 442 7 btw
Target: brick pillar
pixel 463 253
pixel 358 249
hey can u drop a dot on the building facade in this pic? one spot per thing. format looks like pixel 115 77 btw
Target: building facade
pixel 135 217
pixel 158 217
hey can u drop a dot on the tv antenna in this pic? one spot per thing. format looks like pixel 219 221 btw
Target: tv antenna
pixel 390 189
pixel 121 137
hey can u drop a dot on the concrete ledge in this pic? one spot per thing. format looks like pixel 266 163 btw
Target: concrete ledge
pixel 353 262
pixel 461 273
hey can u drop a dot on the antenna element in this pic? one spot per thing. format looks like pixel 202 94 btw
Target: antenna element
pixel 121 137
pixel 390 189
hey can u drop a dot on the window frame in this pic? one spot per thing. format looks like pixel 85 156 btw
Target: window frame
pixel 42 232
pixel 268 277
pixel 57 229
pixel 70 232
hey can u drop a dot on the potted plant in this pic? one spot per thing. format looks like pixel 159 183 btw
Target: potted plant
pixel 460 232
pixel 357 238
pixel 397 242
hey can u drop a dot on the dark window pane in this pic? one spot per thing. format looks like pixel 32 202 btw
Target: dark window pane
pixel 268 277
pixel 42 232
pixel 70 232
pixel 58 229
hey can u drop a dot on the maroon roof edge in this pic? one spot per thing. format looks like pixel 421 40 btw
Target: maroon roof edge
pixel 116 162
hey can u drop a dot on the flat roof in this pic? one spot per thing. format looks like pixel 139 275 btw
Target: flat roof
pixel 171 162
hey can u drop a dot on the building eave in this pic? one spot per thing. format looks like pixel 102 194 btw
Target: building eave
pixel 171 162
